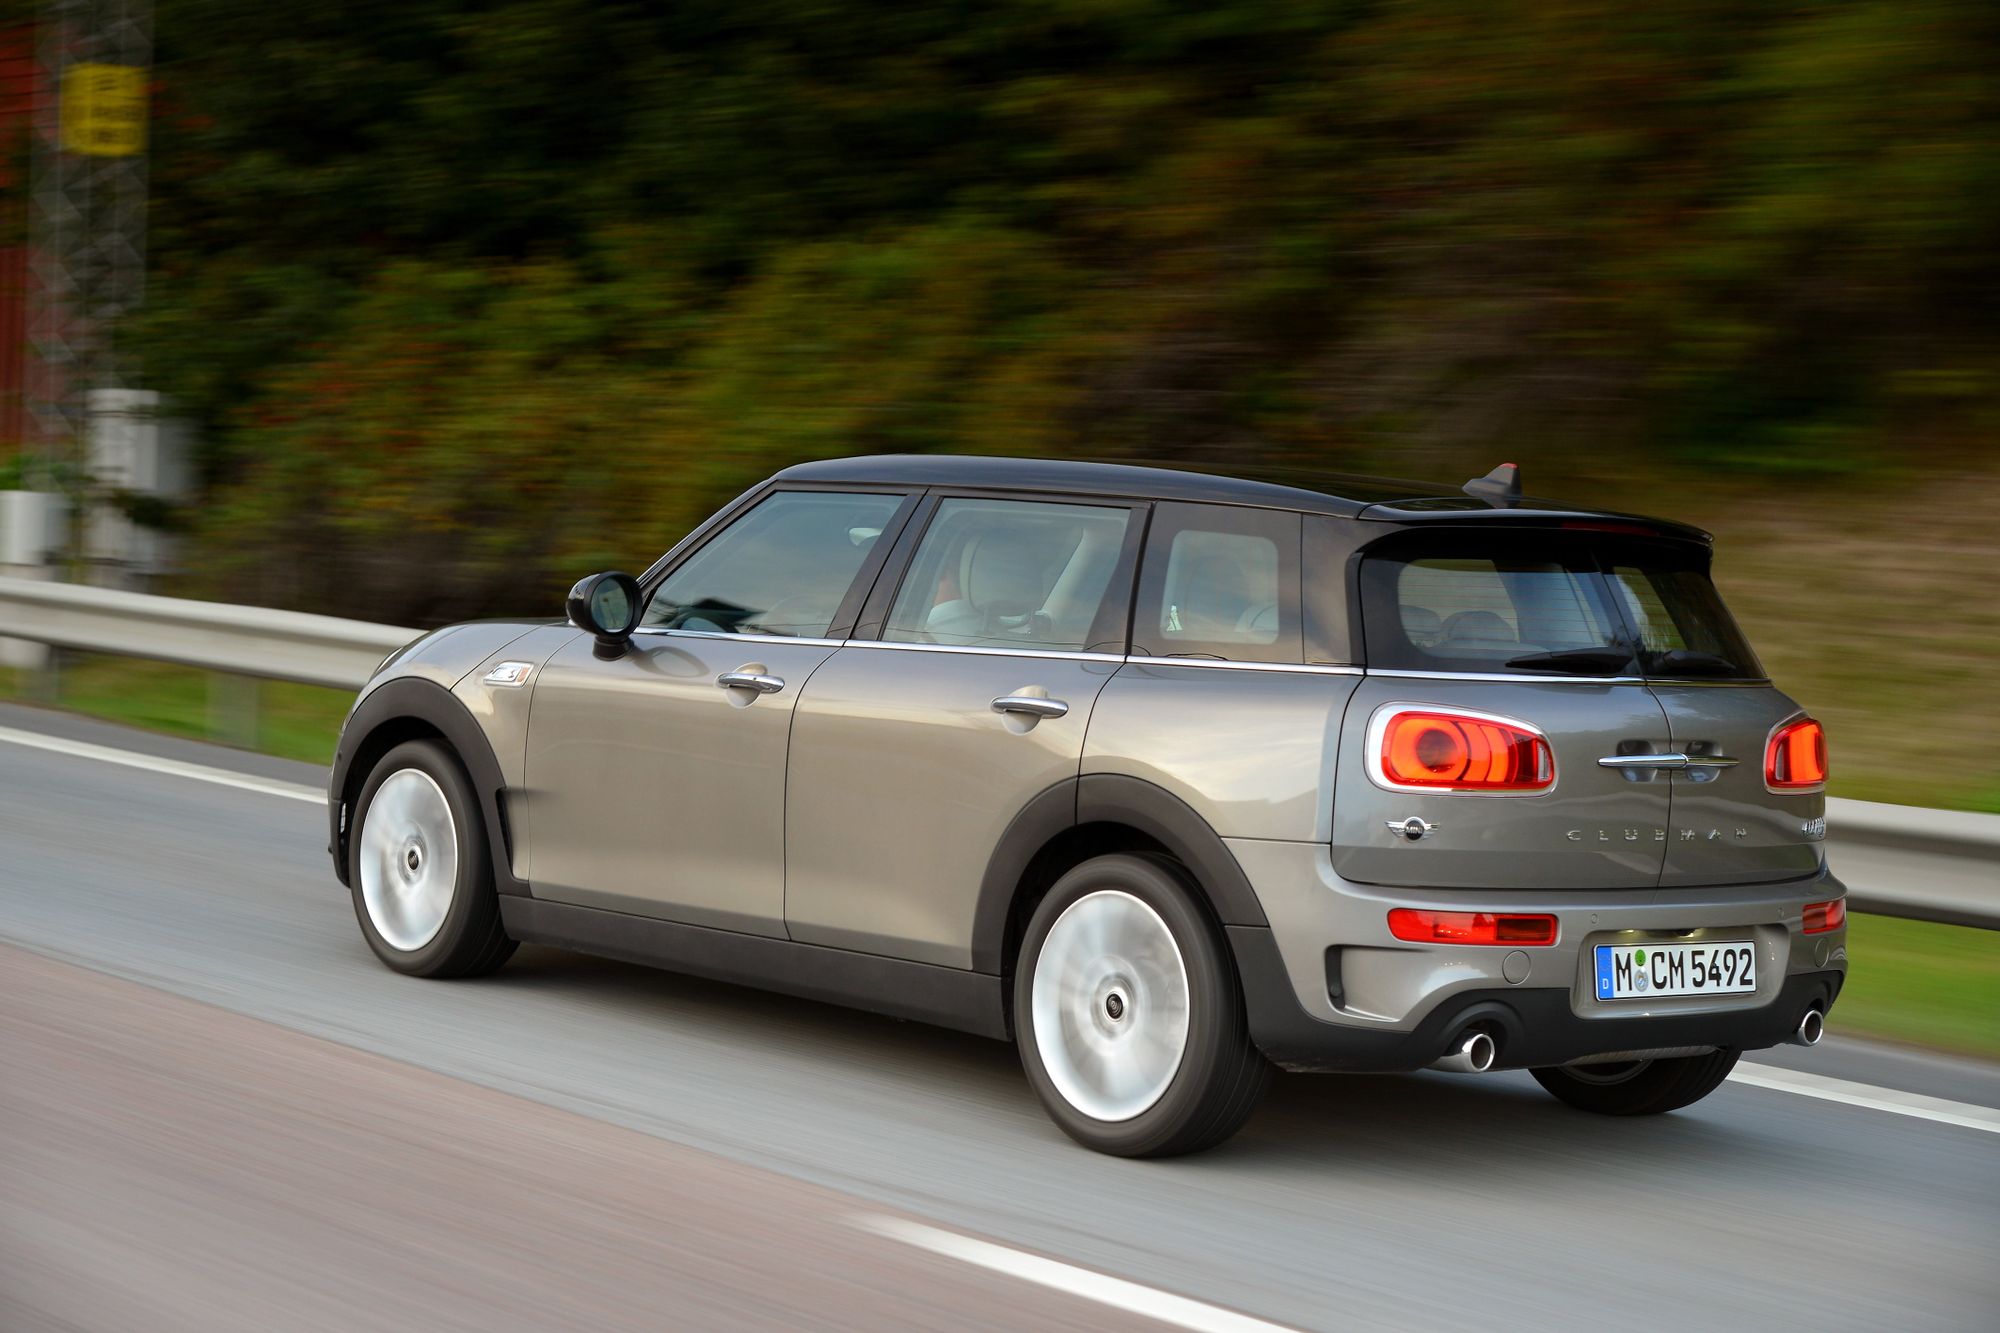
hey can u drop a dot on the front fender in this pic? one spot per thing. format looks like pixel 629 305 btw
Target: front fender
pixel 398 709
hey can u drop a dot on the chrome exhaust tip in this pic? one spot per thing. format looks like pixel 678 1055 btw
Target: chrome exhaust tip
pixel 1811 1028
pixel 1475 1055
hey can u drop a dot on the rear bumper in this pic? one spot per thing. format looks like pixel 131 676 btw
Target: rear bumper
pixel 1327 987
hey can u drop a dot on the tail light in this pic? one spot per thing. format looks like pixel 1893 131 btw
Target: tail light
pixel 1421 750
pixel 1795 759
pixel 1822 917
pixel 1426 927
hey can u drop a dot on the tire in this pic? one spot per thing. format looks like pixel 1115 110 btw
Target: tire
pixel 421 873
pixel 1640 1087
pixel 1129 1015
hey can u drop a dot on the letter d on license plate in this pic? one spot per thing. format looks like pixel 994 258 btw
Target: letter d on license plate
pixel 1644 971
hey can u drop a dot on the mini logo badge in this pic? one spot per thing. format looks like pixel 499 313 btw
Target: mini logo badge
pixel 509 673
pixel 1413 828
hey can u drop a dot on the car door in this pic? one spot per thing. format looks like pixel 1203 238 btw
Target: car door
pixel 656 778
pixel 919 741
pixel 1480 640
pixel 1729 824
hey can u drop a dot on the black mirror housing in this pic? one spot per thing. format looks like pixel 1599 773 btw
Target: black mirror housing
pixel 607 605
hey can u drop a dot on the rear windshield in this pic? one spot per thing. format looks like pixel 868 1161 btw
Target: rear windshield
pixel 1548 607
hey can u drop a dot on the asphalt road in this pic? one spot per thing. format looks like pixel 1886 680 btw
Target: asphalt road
pixel 218 1111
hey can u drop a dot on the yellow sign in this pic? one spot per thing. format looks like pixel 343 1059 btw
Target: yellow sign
pixel 104 110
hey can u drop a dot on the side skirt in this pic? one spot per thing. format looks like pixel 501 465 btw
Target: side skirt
pixel 968 1001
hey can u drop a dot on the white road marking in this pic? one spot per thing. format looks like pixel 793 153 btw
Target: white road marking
pixel 1965 1114
pixel 221 777
pixel 1096 1286
pixel 1092 1286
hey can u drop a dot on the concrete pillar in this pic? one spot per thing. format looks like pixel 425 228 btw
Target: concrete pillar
pixel 31 531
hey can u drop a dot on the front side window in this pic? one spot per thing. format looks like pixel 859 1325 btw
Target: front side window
pixel 1220 583
pixel 1010 574
pixel 782 569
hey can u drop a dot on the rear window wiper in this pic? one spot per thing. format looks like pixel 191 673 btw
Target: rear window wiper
pixel 1601 660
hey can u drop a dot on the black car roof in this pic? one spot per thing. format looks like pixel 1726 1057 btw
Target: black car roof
pixel 1372 498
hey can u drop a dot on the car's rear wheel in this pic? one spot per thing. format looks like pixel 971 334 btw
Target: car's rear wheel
pixel 1638 1087
pixel 419 868
pixel 1129 1015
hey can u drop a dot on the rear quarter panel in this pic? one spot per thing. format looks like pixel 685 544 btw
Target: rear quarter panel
pixel 1252 751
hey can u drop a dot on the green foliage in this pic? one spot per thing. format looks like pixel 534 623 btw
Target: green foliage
pixel 1926 984
pixel 467 296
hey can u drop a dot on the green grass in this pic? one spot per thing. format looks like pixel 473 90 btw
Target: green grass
pixel 292 721
pixel 1928 985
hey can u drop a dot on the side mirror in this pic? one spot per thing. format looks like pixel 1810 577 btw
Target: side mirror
pixel 608 606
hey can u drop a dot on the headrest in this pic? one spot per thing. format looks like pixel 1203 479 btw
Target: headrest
pixel 1002 574
pixel 1484 625
pixel 1422 625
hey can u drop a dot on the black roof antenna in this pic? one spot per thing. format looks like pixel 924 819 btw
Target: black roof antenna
pixel 1502 485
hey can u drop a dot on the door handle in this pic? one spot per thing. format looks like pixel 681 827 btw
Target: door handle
pixel 1029 705
pixel 750 680
pixel 1667 761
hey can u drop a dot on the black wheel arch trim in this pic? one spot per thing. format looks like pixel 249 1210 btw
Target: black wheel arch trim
pixel 1115 798
pixel 1106 798
pixel 435 706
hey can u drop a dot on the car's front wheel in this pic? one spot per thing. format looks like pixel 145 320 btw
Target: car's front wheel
pixel 419 868
pixel 1638 1087
pixel 1129 1016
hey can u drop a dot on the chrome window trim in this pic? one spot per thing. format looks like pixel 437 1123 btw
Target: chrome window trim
pixel 1526 678
pixel 1213 664
pixel 735 638
pixel 1509 677
pixel 1135 659
pixel 1056 653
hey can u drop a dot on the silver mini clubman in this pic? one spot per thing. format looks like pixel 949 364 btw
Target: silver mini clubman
pixel 1169 778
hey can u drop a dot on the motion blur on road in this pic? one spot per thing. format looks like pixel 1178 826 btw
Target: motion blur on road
pixel 416 312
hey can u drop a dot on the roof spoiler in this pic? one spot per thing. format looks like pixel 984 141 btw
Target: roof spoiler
pixel 1502 486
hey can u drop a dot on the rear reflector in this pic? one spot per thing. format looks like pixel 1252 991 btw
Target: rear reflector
pixel 1795 760
pixel 1437 751
pixel 1425 927
pixel 1822 917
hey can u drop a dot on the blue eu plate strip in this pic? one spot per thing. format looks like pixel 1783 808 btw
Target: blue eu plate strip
pixel 1604 991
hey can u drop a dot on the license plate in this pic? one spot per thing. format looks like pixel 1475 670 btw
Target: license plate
pixel 1643 971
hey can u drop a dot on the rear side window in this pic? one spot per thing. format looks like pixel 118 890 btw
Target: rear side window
pixel 781 569
pixel 1012 574
pixel 1220 583
pixel 1469 604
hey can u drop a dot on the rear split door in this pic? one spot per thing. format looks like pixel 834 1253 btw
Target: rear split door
pixel 1731 821
pixel 1497 679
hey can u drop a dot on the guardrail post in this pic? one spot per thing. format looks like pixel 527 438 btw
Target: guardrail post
pixel 45 680
pixel 233 706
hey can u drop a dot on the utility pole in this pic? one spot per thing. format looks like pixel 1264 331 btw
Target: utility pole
pixel 87 228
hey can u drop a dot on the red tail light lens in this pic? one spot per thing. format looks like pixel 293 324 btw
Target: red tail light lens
pixel 1795 760
pixel 1822 917
pixel 1425 927
pixel 1463 752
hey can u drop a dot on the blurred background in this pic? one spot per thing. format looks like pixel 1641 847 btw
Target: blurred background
pixel 430 307
pixel 411 311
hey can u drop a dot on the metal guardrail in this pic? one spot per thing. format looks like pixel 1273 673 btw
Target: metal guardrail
pixel 249 640
pixel 1929 865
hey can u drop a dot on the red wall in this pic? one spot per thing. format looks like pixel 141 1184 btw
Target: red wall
pixel 19 82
